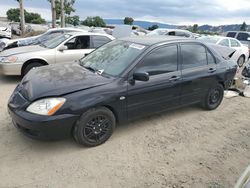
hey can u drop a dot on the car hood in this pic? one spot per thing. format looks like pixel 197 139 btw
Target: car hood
pixel 58 80
pixel 20 50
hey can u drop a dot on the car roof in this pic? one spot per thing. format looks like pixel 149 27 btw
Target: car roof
pixel 90 33
pixel 151 40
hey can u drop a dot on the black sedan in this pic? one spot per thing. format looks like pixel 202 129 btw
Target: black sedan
pixel 120 81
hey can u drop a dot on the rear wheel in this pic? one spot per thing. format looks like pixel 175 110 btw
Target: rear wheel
pixel 31 66
pixel 241 61
pixel 213 97
pixel 94 127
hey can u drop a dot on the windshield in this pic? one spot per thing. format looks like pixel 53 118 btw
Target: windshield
pixel 212 40
pixel 113 58
pixel 54 42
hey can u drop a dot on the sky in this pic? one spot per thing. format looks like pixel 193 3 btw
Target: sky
pixel 179 12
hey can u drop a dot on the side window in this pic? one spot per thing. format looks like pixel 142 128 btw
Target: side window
pixel 172 33
pixel 160 61
pixel 224 42
pixel 210 58
pixel 193 55
pixel 71 43
pixel 99 41
pixel 243 36
pixel 231 34
pixel 81 42
pixel 234 43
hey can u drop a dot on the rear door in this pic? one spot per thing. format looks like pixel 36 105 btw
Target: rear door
pixel 198 72
pixel 78 47
pixel 162 91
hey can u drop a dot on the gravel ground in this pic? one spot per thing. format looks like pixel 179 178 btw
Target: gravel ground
pixel 187 147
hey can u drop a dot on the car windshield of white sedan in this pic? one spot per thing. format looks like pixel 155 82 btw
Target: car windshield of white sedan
pixel 113 58
pixel 54 42
pixel 212 40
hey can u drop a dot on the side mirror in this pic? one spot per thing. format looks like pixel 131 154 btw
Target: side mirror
pixel 248 38
pixel 62 48
pixel 141 76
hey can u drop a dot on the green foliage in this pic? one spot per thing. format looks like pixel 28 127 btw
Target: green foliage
pixel 243 27
pixel 153 27
pixel 13 14
pixel 73 20
pixel 68 7
pixel 195 28
pixel 96 21
pixel 128 21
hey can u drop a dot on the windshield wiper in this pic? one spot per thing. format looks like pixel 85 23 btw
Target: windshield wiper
pixel 90 68
pixel 42 45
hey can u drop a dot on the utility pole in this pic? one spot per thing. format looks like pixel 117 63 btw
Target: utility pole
pixel 22 18
pixel 53 10
pixel 62 14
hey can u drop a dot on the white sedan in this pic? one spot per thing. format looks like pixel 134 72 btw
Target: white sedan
pixel 60 49
pixel 241 54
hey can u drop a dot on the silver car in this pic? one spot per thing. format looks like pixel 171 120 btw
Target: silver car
pixel 63 48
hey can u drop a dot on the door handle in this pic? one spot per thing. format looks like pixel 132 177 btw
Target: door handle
pixel 174 78
pixel 211 70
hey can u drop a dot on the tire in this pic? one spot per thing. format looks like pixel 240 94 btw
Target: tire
pixel 94 127
pixel 213 97
pixel 31 66
pixel 241 61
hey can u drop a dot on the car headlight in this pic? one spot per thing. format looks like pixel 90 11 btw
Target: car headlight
pixel 10 59
pixel 46 107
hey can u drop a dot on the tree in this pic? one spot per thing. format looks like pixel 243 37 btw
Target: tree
pixel 30 17
pixel 243 27
pixel 153 27
pixel 128 21
pixel 68 7
pixel 195 28
pixel 96 21
pixel 73 20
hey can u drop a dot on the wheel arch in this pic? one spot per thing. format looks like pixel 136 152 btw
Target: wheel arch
pixel 39 60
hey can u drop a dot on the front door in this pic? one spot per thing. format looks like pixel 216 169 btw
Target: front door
pixel 78 47
pixel 162 91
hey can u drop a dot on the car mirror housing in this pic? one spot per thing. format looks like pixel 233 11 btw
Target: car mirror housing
pixel 62 48
pixel 141 76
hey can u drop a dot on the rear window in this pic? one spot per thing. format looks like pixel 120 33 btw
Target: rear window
pixel 231 34
pixel 243 36
pixel 193 55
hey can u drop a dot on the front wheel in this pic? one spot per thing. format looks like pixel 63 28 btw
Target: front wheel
pixel 31 66
pixel 94 127
pixel 213 97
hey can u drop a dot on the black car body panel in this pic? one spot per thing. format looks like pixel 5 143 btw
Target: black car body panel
pixel 55 78
pixel 125 97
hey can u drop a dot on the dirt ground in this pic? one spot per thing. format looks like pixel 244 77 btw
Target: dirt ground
pixel 188 147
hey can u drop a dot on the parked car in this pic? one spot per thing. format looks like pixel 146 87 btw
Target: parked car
pixel 5 30
pixel 241 55
pixel 242 36
pixel 51 33
pixel 246 71
pixel 171 32
pixel 244 180
pixel 62 48
pixel 122 80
